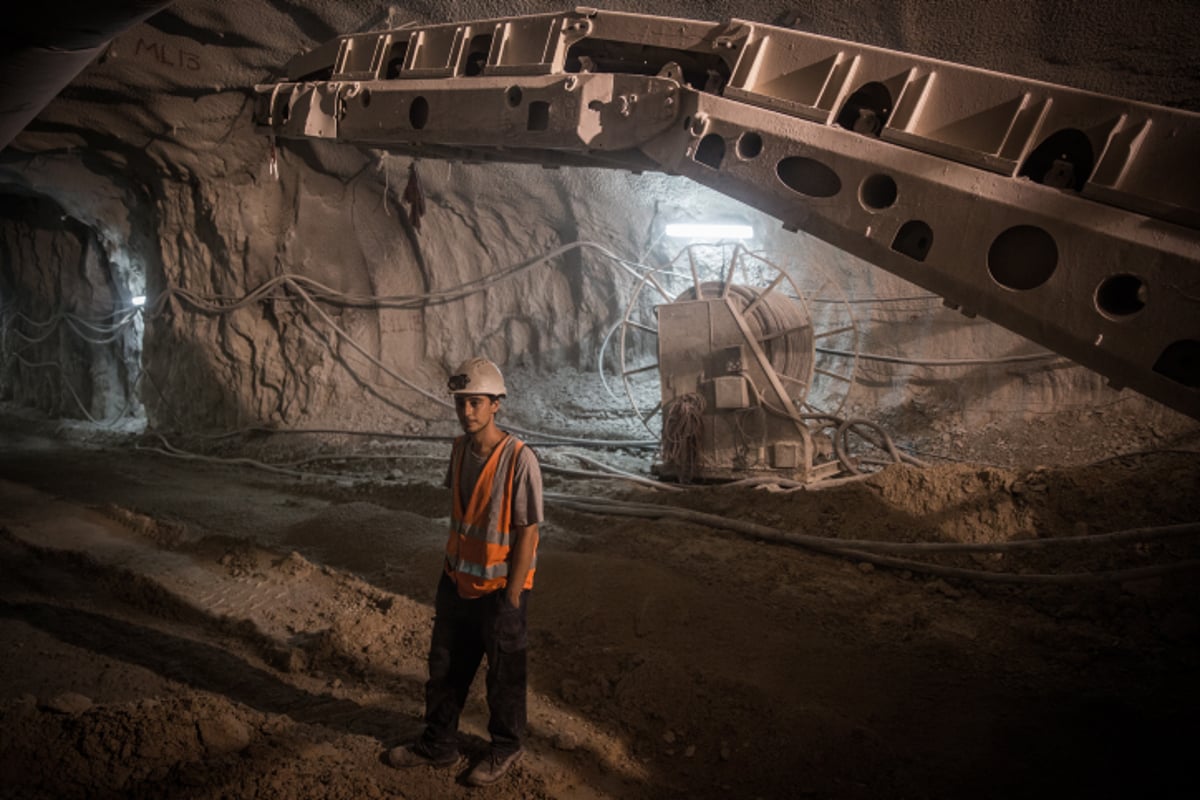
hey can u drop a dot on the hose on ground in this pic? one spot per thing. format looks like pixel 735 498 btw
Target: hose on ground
pixel 859 550
pixel 620 473
pixel 870 552
pixel 841 444
pixel 174 452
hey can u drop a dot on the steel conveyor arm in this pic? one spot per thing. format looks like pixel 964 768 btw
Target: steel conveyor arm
pixel 1068 217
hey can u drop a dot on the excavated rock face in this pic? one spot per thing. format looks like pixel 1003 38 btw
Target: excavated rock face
pixel 55 264
pixel 146 173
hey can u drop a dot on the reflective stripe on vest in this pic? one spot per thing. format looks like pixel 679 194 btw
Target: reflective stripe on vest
pixel 478 547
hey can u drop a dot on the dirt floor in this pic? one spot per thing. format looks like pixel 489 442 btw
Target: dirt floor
pixel 190 629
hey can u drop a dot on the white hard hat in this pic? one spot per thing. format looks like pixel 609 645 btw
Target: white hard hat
pixel 477 376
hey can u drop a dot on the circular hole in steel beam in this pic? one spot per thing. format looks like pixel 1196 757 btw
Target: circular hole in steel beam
pixel 1023 257
pixel 513 96
pixel 878 192
pixel 1121 295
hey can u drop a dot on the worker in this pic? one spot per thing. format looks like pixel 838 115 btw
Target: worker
pixel 491 555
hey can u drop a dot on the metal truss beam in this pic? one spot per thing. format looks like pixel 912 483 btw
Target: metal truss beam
pixel 1068 217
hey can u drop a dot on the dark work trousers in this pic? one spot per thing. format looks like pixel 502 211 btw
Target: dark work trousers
pixel 464 631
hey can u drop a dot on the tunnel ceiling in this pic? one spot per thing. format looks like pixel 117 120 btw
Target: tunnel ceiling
pixel 170 93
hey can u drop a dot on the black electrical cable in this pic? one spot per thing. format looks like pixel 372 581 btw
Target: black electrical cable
pixel 941 362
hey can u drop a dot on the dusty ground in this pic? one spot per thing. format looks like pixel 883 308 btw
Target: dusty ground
pixel 189 629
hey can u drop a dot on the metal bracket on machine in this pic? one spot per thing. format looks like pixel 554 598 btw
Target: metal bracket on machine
pixel 1068 217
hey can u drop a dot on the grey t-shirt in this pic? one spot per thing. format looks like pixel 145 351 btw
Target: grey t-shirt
pixel 527 485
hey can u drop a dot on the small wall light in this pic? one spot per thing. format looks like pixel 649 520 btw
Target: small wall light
pixel 139 300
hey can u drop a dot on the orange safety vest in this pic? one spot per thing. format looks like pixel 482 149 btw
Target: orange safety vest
pixel 477 550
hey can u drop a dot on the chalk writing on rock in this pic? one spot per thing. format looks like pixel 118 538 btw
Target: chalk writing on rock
pixel 168 56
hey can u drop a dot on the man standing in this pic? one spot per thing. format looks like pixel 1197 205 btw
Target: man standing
pixel 496 495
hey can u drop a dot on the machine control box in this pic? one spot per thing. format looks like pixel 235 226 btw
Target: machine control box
pixel 730 391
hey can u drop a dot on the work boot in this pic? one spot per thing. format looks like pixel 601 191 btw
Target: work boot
pixel 415 755
pixel 492 768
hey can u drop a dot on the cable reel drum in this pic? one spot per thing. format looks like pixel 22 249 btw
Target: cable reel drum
pixel 741 387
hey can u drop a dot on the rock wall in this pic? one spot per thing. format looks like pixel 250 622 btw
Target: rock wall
pixel 151 167
pixel 70 344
